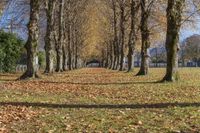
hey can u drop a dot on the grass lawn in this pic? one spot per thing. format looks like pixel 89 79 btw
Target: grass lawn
pixel 100 100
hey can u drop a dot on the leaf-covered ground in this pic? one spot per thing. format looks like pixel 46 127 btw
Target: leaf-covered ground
pixel 100 100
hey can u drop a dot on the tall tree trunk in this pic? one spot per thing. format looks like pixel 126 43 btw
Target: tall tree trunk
pixel 49 44
pixel 110 55
pixel 69 48
pixel 117 56
pixel 76 55
pixel 145 12
pixel 174 18
pixel 115 42
pixel 64 47
pixel 32 43
pixel 132 34
pixel 122 29
pixel 64 57
pixel 69 36
pixel 73 48
pixel 76 49
pixel 107 56
pixel 114 61
pixel 59 48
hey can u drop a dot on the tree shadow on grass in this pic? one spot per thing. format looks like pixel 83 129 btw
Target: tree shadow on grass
pixel 90 83
pixel 7 80
pixel 7 75
pixel 101 106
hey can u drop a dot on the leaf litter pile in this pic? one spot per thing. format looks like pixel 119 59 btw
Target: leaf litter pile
pixel 100 100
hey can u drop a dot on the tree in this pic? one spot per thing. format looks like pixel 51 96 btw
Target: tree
pixel 59 47
pixel 192 48
pixel 10 51
pixel 174 21
pixel 69 36
pixel 32 43
pixel 115 41
pixel 49 42
pixel 132 35
pixel 122 33
pixel 146 6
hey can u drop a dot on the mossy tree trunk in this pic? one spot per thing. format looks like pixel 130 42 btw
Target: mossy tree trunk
pixel 32 43
pixel 174 21
pixel 49 41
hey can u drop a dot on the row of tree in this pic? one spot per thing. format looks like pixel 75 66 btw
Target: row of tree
pixel 62 38
pixel 114 29
pixel 146 20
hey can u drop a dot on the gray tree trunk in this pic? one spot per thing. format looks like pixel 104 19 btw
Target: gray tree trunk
pixel 49 41
pixel 144 68
pixel 64 57
pixel 76 56
pixel 69 49
pixel 132 34
pixel 32 43
pixel 110 55
pixel 59 48
pixel 115 42
pixel 122 30
pixel 174 20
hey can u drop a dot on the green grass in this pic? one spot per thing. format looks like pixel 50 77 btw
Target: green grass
pixel 146 106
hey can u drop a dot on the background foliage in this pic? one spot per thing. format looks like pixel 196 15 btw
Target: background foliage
pixel 11 48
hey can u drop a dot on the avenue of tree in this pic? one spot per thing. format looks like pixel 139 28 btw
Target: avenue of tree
pixel 108 30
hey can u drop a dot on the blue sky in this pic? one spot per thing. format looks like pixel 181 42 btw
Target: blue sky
pixel 20 22
pixel 189 32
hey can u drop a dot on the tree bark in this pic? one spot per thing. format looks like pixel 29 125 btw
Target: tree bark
pixel 69 35
pixel 32 43
pixel 174 19
pixel 73 47
pixel 65 47
pixel 69 48
pixel 110 55
pixel 144 68
pixel 49 44
pixel 59 48
pixel 117 56
pixel 122 29
pixel 107 56
pixel 115 42
pixel 132 35
pixel 64 57
pixel 76 55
